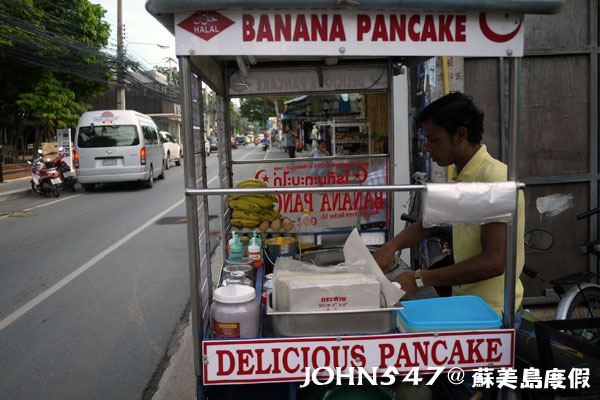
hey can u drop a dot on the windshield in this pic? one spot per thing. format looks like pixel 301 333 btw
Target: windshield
pixel 107 136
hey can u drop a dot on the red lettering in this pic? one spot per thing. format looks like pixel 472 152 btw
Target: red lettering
pixel 259 367
pixel 445 32
pixel 298 206
pixel 461 22
pixel 337 29
pixel 378 200
pixel 474 350
pixel 347 203
pixel 421 350
pixel 308 200
pixel 248 28
pixel 412 33
pixel 336 361
pixel 286 365
pixel 283 28
pixel 264 29
pixel 318 27
pixel 428 29
pixel 325 205
pixel 492 349
pixel 221 357
pixel 301 30
pixel 434 352
pixel 243 358
pixel 315 357
pixel 403 355
pixel 397 28
pixel 276 369
pixel 385 352
pixel 368 203
pixel 364 26
pixel 379 31
pixel 457 351
pixel 357 353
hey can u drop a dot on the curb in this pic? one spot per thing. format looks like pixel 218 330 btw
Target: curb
pixel 14 194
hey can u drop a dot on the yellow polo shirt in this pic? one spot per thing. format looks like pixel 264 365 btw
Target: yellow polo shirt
pixel 467 238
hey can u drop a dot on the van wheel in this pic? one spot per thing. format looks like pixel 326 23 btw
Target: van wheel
pixel 162 173
pixel 168 161
pixel 178 161
pixel 89 187
pixel 150 182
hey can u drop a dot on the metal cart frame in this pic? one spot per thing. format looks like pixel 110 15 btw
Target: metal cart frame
pixel 215 73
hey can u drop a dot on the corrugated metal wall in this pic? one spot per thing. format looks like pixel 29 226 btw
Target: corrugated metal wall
pixel 558 146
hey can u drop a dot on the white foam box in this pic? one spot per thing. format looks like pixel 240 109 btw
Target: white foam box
pixel 297 291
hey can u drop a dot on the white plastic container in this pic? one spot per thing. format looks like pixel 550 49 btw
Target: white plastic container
pixel 235 313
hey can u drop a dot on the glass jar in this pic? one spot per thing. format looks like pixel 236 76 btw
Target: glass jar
pixel 235 313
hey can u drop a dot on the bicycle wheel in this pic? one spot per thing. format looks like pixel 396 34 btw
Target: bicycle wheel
pixel 586 304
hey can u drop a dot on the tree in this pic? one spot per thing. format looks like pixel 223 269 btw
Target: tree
pixel 51 105
pixel 51 47
pixel 172 74
pixel 259 109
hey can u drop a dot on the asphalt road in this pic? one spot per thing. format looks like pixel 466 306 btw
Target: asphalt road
pixel 93 287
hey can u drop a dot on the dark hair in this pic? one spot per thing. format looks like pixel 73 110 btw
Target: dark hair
pixel 320 141
pixel 454 110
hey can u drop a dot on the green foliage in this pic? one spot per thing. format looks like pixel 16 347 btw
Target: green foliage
pixel 259 109
pixel 52 104
pixel 172 75
pixel 52 49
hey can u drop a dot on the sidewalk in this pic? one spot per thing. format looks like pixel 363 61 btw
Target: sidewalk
pixel 178 382
pixel 15 188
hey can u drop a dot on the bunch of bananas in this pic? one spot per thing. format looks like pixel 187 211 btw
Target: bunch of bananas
pixel 250 210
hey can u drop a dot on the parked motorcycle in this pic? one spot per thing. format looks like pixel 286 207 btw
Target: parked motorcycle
pixel 44 180
pixel 68 180
pixel 265 146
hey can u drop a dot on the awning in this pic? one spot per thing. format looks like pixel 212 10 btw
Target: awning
pixel 163 10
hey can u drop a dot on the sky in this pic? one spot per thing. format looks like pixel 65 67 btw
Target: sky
pixel 140 27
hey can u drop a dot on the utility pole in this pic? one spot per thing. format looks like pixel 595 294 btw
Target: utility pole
pixel 120 59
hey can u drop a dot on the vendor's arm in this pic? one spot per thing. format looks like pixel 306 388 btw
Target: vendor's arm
pixel 487 264
pixel 410 236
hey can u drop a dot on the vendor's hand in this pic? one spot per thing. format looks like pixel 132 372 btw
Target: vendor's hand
pixel 407 283
pixel 385 257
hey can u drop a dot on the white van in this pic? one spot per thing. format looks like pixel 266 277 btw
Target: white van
pixel 117 146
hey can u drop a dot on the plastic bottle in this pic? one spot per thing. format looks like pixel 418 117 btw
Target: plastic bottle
pixel 254 254
pixel 235 312
pixel 230 242
pixel 305 238
pixel 237 250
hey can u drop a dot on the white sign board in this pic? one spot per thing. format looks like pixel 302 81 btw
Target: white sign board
pixel 286 359
pixel 338 33
pixel 347 79
pixel 63 137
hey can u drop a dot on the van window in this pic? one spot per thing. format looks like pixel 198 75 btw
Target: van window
pixel 150 135
pixel 107 136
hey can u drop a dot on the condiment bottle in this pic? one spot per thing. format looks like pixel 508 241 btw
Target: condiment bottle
pixel 236 253
pixel 254 254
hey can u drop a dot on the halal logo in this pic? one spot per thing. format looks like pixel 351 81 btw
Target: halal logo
pixel 206 24
pixel 498 37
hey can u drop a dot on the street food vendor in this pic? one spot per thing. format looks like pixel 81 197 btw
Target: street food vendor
pixel 453 128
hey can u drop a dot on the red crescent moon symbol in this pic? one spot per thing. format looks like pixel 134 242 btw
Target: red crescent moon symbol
pixel 365 173
pixel 493 36
pixel 258 173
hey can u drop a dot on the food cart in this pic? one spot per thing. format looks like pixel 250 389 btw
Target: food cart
pixel 249 48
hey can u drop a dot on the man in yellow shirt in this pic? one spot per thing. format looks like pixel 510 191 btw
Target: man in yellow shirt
pixel 453 127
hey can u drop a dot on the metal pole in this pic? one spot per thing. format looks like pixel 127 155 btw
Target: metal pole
pixel 510 273
pixel 502 109
pixel 120 58
pixel 191 206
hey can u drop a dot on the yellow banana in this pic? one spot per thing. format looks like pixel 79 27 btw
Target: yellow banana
pixel 259 200
pixel 244 223
pixel 243 214
pixel 270 197
pixel 265 215
pixel 244 205
pixel 251 183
